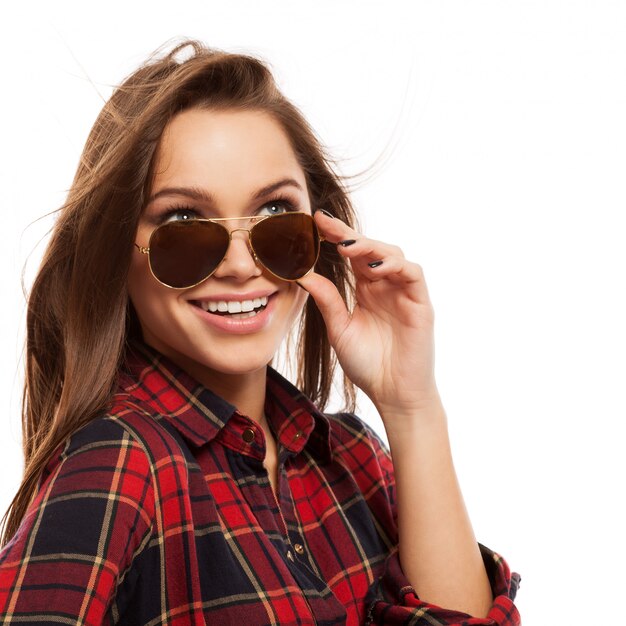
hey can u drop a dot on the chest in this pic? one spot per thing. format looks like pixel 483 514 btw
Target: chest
pixel 303 548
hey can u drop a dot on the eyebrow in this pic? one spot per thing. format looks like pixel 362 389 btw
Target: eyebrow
pixel 201 195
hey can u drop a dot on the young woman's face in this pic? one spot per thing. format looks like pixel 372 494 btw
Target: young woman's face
pixel 220 164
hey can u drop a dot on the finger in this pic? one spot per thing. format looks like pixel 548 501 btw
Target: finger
pixel 366 254
pixel 367 250
pixel 333 229
pixel 370 258
pixel 400 273
pixel 329 302
pixel 350 243
pixel 362 245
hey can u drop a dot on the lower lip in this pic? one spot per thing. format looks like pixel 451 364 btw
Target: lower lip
pixel 236 326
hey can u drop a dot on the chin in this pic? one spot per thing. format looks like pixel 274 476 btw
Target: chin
pixel 225 361
pixel 205 357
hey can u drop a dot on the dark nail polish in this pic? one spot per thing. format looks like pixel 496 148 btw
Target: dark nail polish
pixel 374 264
pixel 326 213
pixel 346 242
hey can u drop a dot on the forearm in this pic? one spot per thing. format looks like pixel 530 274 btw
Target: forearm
pixel 437 547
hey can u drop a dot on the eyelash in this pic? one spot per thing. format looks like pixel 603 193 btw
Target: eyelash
pixel 173 210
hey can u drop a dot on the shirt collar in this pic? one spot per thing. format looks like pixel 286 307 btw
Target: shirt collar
pixel 199 415
pixel 295 420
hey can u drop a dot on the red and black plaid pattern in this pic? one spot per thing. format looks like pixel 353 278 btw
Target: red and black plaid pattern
pixel 160 512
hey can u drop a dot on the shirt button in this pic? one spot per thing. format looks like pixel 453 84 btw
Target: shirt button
pixel 299 548
pixel 290 555
pixel 298 435
pixel 248 435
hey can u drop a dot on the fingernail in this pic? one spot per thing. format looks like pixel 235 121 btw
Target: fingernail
pixel 346 242
pixel 375 264
pixel 326 213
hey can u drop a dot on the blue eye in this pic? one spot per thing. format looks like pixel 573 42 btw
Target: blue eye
pixel 276 207
pixel 176 214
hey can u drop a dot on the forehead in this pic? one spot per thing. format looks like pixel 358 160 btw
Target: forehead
pixel 214 148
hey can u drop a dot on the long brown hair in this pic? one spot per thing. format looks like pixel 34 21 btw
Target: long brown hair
pixel 79 316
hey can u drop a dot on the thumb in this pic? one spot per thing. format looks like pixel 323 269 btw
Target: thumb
pixel 329 302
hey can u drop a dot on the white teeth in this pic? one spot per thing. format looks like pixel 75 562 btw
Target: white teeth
pixel 233 307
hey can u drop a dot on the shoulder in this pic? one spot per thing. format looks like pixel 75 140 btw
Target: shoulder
pixel 126 434
pixel 348 429
pixel 358 444
pixel 362 453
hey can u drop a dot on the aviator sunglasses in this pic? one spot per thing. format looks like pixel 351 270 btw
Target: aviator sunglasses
pixel 182 254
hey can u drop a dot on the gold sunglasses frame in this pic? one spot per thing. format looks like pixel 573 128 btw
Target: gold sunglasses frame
pixel 254 218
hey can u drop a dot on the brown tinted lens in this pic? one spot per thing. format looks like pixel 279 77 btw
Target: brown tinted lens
pixel 183 254
pixel 287 244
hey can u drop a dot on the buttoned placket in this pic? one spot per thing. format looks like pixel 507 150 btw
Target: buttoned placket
pixel 254 433
pixel 293 550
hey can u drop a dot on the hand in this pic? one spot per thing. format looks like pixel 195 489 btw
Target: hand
pixel 385 344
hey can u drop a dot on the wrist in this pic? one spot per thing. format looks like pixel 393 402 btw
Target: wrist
pixel 402 421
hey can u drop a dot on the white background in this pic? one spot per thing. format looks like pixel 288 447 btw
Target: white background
pixel 501 132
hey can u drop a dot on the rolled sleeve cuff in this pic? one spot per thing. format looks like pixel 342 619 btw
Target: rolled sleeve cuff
pixel 393 601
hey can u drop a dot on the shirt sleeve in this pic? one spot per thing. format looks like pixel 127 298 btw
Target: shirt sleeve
pixel 93 513
pixel 393 601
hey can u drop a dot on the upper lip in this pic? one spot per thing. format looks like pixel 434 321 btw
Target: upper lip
pixel 234 297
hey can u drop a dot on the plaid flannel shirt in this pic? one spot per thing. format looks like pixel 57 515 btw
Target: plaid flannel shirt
pixel 161 512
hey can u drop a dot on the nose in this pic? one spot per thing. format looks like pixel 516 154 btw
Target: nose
pixel 239 262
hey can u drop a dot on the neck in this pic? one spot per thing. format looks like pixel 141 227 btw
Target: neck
pixel 245 391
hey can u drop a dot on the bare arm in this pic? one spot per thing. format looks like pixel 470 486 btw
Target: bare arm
pixel 385 345
pixel 438 551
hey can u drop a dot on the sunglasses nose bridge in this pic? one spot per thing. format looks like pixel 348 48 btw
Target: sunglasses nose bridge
pixel 249 242
pixel 235 230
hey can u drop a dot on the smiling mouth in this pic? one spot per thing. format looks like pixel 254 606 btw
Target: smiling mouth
pixel 234 310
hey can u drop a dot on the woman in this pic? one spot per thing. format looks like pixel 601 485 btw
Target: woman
pixel 172 476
